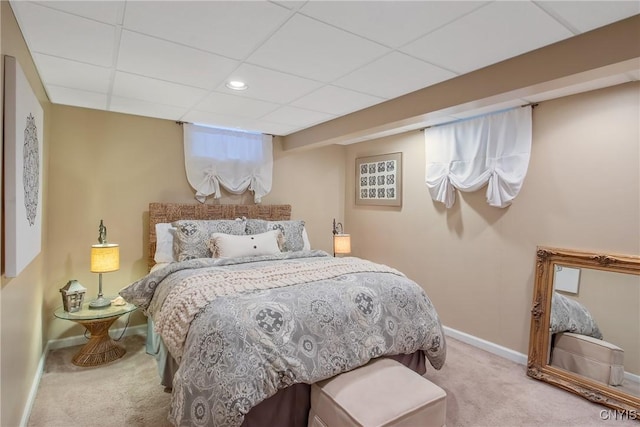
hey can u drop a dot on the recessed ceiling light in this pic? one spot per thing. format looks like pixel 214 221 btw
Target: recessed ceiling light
pixel 236 85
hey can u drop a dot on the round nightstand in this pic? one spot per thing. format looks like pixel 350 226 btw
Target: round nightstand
pixel 100 348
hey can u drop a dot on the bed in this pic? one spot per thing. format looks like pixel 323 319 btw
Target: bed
pixel 242 326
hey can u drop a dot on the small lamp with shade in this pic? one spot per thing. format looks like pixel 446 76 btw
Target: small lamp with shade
pixel 105 258
pixel 341 241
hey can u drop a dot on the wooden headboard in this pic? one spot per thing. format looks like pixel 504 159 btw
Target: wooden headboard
pixel 169 212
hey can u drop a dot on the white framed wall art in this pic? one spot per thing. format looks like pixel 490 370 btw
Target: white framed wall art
pixel 23 139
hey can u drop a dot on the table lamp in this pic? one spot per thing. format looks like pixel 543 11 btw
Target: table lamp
pixel 105 257
pixel 341 241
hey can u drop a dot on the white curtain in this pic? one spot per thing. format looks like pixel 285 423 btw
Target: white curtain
pixel 232 159
pixel 466 155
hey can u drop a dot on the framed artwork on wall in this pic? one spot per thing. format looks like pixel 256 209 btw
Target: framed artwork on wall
pixel 23 138
pixel 379 180
pixel 566 279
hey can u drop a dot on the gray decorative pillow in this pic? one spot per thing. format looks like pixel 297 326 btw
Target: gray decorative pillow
pixel 568 315
pixel 191 237
pixel 255 226
pixel 291 230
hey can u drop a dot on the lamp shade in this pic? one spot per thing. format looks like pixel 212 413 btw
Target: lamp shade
pixel 342 243
pixel 105 258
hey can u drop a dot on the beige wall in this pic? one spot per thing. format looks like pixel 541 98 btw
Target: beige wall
pixel 22 341
pixel 476 262
pixel 110 166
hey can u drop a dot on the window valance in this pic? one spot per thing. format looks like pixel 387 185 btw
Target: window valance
pixel 232 159
pixel 492 149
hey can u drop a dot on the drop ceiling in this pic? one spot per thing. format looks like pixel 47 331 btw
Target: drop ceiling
pixel 305 62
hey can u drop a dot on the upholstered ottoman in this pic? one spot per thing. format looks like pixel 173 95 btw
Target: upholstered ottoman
pixel 593 358
pixel 380 394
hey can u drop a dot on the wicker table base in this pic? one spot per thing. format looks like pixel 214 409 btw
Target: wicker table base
pixel 100 348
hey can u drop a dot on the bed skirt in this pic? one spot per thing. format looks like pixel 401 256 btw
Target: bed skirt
pixel 289 407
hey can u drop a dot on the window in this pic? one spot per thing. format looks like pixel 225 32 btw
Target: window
pixel 235 160
pixel 226 145
pixel 490 150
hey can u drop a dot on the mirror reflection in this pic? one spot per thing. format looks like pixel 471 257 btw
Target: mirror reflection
pixel 585 325
pixel 595 326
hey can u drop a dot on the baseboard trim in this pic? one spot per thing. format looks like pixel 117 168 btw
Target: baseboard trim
pixel 493 348
pixel 507 353
pixel 632 377
pixel 62 343
pixel 34 388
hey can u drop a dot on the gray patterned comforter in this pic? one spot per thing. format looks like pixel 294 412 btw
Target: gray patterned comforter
pixel 242 348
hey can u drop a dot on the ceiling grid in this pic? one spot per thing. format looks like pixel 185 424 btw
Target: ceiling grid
pixel 305 62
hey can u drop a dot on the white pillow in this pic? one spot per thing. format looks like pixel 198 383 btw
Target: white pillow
pixel 164 243
pixel 305 239
pixel 232 246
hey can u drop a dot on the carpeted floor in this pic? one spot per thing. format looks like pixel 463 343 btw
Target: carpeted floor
pixel 483 390
pixel 126 392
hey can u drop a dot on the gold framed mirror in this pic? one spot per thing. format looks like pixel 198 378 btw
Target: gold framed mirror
pixel 589 344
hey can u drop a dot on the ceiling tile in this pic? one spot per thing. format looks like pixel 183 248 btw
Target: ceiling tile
pixel 143 108
pixel 319 59
pixel 72 74
pixel 149 56
pixel 155 91
pixel 77 98
pixel 394 75
pixel 488 35
pixel 392 23
pixel 588 15
pixel 336 100
pixel 61 34
pixel 108 12
pixel 311 49
pixel 297 116
pixel 269 85
pixel 230 28
pixel 222 103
